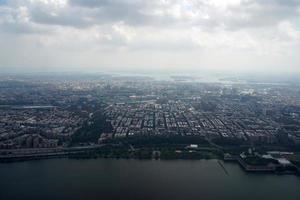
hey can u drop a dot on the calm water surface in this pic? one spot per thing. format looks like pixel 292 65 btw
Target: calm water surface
pixel 134 179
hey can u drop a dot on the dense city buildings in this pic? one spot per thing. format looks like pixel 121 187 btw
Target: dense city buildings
pixel 137 106
pixel 54 112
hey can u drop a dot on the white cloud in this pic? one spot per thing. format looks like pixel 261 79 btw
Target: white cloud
pixel 288 31
pixel 257 31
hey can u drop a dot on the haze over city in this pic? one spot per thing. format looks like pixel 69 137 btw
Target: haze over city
pixel 157 35
pixel 149 99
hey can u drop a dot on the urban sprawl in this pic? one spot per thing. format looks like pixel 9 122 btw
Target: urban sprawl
pixel 55 114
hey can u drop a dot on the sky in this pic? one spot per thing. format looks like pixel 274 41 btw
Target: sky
pixel 150 35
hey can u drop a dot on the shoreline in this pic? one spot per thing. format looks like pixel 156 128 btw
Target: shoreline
pixel 85 155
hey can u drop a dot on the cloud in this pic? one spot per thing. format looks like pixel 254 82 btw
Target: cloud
pixel 264 13
pixel 249 28
pixel 17 20
pixel 232 14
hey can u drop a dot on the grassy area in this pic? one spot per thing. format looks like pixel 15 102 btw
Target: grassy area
pixel 150 153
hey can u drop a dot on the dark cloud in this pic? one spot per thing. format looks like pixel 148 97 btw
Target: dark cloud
pixel 258 14
pixel 14 21
pixel 247 14
pixel 129 11
pixel 290 3
pixel 71 17
pixel 156 13
pixel 107 3
pixel 78 30
pixel 81 14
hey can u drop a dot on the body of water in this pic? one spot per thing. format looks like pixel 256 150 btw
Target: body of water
pixel 140 179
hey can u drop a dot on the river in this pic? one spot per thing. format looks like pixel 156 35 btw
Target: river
pixel 140 179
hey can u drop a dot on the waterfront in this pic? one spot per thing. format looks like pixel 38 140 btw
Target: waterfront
pixel 140 179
